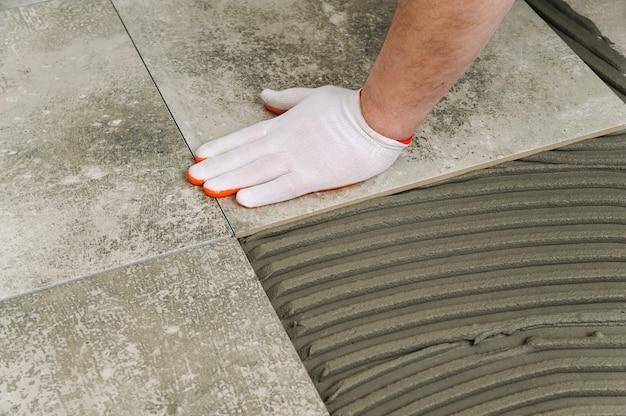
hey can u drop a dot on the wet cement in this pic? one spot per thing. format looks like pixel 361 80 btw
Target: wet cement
pixel 584 37
pixel 500 292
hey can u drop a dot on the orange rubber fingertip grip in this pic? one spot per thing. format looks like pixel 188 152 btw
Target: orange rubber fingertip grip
pixel 198 159
pixel 194 181
pixel 219 194
pixel 274 110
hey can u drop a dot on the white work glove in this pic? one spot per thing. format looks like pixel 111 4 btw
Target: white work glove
pixel 322 142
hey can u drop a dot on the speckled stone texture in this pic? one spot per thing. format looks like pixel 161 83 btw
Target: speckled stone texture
pixel 211 59
pixel 184 334
pixel 92 164
pixel 9 4
pixel 526 93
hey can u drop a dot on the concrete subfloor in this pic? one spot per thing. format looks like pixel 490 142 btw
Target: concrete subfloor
pixel 189 333
pixel 211 60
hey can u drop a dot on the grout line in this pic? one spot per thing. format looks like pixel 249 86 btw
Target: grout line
pixel 119 16
pixel 141 260
pixel 149 257
pixel 150 74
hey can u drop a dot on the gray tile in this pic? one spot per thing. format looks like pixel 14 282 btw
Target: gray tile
pixel 211 59
pixel 9 4
pixel 608 16
pixel 92 164
pixel 190 333
pixel 528 92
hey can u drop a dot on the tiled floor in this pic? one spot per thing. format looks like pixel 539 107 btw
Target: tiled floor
pixel 181 334
pixel 93 165
pixel 122 289
pixel 168 316
pixel 211 61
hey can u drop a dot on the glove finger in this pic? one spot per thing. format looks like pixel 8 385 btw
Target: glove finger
pixel 280 101
pixel 227 161
pixel 277 190
pixel 257 172
pixel 231 141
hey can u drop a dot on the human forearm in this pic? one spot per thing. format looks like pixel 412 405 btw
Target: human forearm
pixel 428 46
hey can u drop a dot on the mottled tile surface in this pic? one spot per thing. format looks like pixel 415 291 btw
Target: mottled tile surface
pixel 187 334
pixel 608 16
pixel 526 93
pixel 9 4
pixel 92 164
pixel 212 58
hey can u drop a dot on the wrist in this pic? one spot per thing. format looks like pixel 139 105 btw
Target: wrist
pixel 386 121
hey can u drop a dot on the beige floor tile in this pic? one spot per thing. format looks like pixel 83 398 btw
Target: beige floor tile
pixel 190 333
pixel 9 4
pixel 92 163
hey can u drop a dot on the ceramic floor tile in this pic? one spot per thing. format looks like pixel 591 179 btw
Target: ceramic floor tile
pixel 190 333
pixel 528 92
pixel 211 59
pixel 92 164
pixel 9 4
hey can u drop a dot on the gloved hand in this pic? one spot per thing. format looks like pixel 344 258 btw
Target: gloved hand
pixel 322 142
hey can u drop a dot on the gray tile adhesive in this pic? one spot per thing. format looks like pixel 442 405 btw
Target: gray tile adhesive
pixel 583 36
pixel 501 292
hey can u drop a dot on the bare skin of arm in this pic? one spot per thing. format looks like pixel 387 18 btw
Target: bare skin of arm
pixel 430 43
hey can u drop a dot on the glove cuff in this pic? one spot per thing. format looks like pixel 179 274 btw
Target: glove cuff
pixel 355 105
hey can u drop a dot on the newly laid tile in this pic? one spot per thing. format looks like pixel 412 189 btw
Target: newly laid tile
pixel 92 164
pixel 528 92
pixel 190 333
pixel 211 59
